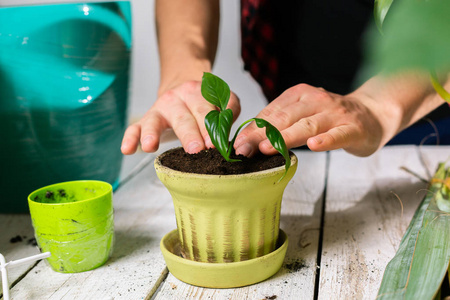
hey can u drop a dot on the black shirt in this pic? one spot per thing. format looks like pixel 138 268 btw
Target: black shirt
pixel 319 42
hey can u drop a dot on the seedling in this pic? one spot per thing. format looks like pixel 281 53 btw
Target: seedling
pixel 218 122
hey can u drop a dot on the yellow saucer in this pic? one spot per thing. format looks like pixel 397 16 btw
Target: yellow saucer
pixel 221 275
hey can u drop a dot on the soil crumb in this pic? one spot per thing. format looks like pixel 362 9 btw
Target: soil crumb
pixel 16 239
pixel 271 297
pixel 296 265
pixel 32 242
pixel 210 161
pixel 55 196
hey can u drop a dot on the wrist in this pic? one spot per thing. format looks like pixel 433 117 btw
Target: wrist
pixel 382 106
pixel 175 73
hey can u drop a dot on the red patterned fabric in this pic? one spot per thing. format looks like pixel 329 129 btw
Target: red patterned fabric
pixel 258 45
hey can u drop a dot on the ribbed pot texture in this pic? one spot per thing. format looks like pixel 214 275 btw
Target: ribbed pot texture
pixel 226 218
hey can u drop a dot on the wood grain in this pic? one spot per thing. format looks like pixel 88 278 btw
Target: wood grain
pixel 370 202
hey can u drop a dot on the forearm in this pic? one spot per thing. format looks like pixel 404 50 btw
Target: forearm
pixel 187 39
pixel 399 101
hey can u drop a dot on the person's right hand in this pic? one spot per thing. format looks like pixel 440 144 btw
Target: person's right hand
pixel 183 109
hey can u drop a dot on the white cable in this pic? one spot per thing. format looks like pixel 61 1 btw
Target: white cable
pixel 4 264
pixel 5 284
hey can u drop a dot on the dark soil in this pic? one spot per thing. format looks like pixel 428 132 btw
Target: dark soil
pixel 16 239
pixel 295 266
pixel 58 196
pixel 210 161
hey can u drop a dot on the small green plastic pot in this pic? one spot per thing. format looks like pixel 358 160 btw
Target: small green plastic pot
pixel 74 222
pixel 226 218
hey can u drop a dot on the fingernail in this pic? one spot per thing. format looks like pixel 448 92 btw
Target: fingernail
pixel 147 140
pixel 125 145
pixel 193 147
pixel 245 150
pixel 316 140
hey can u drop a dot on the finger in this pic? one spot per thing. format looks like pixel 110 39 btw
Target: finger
pixel 190 94
pixel 249 139
pixel 347 137
pixel 130 139
pixel 235 105
pixel 199 113
pixel 295 103
pixel 335 138
pixel 302 94
pixel 186 128
pixel 152 126
pixel 297 134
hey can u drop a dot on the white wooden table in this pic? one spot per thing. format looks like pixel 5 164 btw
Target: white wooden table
pixel 344 217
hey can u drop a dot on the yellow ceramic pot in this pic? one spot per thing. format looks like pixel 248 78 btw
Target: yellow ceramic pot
pixel 226 218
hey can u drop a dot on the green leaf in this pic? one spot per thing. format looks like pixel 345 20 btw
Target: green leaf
pixel 277 141
pixel 380 11
pixel 439 88
pixel 422 260
pixel 218 125
pixel 215 90
pixel 415 35
pixel 443 195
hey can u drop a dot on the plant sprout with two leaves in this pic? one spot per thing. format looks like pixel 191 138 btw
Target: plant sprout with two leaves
pixel 218 122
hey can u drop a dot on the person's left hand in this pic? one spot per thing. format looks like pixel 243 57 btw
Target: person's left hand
pixel 322 120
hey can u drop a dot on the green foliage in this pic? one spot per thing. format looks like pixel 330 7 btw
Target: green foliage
pixel 218 122
pixel 422 260
pixel 380 11
pixel 415 36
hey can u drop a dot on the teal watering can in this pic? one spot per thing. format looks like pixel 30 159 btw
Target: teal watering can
pixel 64 78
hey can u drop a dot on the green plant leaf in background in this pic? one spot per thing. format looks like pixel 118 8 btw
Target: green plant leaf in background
pixel 438 87
pixel 422 260
pixel 415 36
pixel 380 11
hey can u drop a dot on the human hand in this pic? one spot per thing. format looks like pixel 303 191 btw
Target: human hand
pixel 183 109
pixel 320 119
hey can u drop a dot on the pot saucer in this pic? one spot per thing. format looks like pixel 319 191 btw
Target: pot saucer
pixel 221 275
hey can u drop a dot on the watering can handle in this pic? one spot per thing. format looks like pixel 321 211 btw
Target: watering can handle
pixel 63 12
pixel 108 18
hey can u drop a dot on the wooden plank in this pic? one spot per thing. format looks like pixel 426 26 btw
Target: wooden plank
pixel 364 220
pixel 430 156
pixel 300 219
pixel 16 241
pixel 17 236
pixel 134 202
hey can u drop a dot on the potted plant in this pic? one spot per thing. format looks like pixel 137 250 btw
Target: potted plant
pixel 226 221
